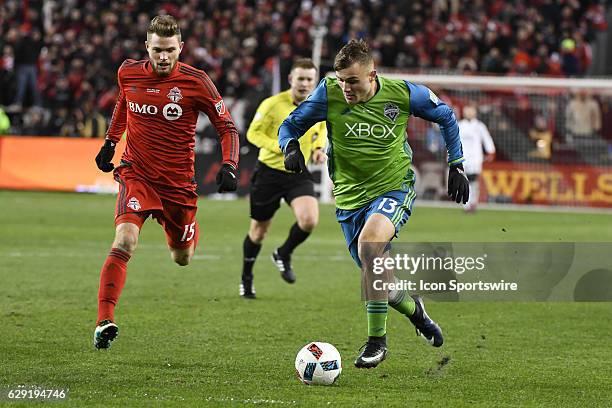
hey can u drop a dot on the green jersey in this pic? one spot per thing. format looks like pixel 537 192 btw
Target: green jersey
pixel 369 154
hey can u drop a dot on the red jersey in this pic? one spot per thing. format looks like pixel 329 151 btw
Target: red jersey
pixel 160 114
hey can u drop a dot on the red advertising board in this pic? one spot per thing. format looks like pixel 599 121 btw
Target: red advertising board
pixel 53 163
pixel 67 164
pixel 567 185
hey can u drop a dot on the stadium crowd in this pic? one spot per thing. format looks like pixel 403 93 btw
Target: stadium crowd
pixel 61 56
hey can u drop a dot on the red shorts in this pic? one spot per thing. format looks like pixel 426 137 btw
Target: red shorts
pixel 138 199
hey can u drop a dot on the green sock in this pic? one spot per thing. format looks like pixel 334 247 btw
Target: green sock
pixel 403 303
pixel 377 317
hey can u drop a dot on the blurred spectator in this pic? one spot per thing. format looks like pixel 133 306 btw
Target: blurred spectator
pixel 5 122
pixel 7 75
pixel 582 116
pixel 542 137
pixel 569 58
pixel 71 125
pixel 79 45
pixel 27 49
pixel 58 119
pixel 33 122
pixel 93 123
pixel 494 63
pixel 475 138
pixel 467 64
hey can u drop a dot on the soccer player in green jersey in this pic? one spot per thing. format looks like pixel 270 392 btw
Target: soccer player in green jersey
pixel 370 165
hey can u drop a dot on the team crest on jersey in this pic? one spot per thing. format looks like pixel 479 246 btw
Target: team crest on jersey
pixel 391 111
pixel 172 111
pixel 134 204
pixel 175 95
pixel 220 107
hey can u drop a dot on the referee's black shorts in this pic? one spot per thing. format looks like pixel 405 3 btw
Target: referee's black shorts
pixel 269 185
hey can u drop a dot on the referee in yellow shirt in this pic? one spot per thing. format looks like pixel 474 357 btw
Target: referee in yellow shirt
pixel 271 182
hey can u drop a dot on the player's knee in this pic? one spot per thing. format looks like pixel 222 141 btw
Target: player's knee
pixel 369 250
pixel 126 242
pixel 308 222
pixel 258 233
pixel 182 258
pixel 258 236
pixel 366 254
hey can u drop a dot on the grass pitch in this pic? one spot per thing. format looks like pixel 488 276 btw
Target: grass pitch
pixel 187 339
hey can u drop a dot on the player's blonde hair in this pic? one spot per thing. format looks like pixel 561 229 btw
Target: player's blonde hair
pixel 304 63
pixel 354 51
pixel 165 26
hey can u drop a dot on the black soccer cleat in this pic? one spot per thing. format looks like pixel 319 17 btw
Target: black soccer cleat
pixel 284 266
pixel 425 327
pixel 106 331
pixel 373 352
pixel 247 290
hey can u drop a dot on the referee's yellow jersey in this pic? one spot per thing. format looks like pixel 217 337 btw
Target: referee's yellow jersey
pixel 263 131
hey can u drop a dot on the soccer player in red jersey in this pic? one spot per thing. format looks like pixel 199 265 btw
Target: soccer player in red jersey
pixel 158 104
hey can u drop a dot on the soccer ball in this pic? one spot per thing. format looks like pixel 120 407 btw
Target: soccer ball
pixel 318 363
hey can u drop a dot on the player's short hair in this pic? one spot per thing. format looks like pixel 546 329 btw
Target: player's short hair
pixel 304 63
pixel 165 26
pixel 354 51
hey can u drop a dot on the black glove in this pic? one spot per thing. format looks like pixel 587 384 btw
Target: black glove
pixel 226 178
pixel 104 157
pixel 294 159
pixel 458 184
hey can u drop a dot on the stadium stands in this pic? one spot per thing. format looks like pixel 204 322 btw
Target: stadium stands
pixel 78 45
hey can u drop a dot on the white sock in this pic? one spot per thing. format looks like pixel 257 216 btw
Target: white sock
pixel 474 192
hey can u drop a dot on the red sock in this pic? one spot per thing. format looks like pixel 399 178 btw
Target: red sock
pixel 112 279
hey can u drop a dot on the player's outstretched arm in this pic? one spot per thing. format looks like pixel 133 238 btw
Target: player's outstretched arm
pixel 309 112
pixel 426 105
pixel 115 131
pixel 210 102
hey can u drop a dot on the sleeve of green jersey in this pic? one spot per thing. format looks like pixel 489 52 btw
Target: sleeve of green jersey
pixel 309 112
pixel 426 105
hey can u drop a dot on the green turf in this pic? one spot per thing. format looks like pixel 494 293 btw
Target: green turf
pixel 187 339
